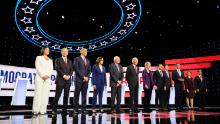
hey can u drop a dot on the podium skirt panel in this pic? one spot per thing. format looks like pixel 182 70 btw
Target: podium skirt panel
pixel 41 95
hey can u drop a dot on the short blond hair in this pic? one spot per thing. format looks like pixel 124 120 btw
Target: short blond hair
pixel 147 63
pixel 81 50
pixel 116 57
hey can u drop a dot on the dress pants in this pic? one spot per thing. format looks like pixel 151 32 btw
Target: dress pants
pixel 41 95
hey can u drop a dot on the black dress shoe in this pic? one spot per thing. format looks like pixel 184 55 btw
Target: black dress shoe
pixel 84 112
pixel 136 110
pixel 101 110
pixel 54 112
pixel 75 112
pixel 120 111
pixel 113 111
pixel 65 112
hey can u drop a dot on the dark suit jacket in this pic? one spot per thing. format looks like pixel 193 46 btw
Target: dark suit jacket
pixel 167 79
pixel 115 75
pixel 98 76
pixel 148 79
pixel 132 76
pixel 81 69
pixel 63 69
pixel 175 76
pixel 158 79
pixel 201 85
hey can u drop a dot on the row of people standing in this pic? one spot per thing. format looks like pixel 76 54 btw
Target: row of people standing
pixel 64 68
pixel 159 80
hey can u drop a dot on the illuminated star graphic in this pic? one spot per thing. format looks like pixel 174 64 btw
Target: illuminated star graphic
pixel 70 48
pixel 103 43
pixel 36 37
pixel 128 24
pixel 45 43
pixel 92 47
pixel 30 29
pixel 79 48
pixel 130 6
pixel 121 32
pixel 35 1
pixel 27 9
pixel 113 38
pixel 56 46
pixel 26 20
pixel 124 1
pixel 131 16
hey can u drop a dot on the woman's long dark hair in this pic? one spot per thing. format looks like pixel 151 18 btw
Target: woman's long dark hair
pixel 42 51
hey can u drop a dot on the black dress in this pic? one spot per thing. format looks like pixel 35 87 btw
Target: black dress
pixel 190 85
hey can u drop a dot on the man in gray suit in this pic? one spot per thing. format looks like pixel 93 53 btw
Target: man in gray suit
pixel 116 77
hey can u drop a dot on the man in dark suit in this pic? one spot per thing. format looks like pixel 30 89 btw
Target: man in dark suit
pixel 116 77
pixel 132 79
pixel 178 78
pixel 82 72
pixel 64 68
pixel 159 83
pixel 167 81
pixel 201 89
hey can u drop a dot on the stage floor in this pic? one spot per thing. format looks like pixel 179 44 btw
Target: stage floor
pixel 209 116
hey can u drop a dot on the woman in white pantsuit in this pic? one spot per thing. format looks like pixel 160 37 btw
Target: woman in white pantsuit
pixel 44 68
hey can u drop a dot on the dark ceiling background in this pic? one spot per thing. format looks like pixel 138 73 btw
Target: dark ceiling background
pixel 168 29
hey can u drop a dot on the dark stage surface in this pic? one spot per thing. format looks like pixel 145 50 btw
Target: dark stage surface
pixel 210 115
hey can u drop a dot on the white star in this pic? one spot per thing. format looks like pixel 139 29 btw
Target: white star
pixel 26 20
pixel 128 24
pixel 30 29
pixel 92 47
pixel 45 43
pixel 27 9
pixel 35 1
pixel 79 48
pixel 130 6
pixel 56 46
pixel 131 16
pixel 36 37
pixel 122 32
pixel 70 48
pixel 124 1
pixel 103 43
pixel 113 38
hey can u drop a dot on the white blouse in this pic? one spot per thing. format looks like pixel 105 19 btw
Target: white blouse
pixel 43 66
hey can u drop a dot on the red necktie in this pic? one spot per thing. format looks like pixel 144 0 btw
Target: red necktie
pixel 84 60
pixel 201 78
pixel 136 69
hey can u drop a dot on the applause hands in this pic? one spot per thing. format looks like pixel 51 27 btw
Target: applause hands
pixel 45 77
pixel 94 87
pixel 146 86
pixel 66 77
pixel 85 79
pixel 119 83
pixel 181 79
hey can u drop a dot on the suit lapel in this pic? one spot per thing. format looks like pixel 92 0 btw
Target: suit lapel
pixel 134 69
pixel 83 61
pixel 118 69
pixel 99 68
